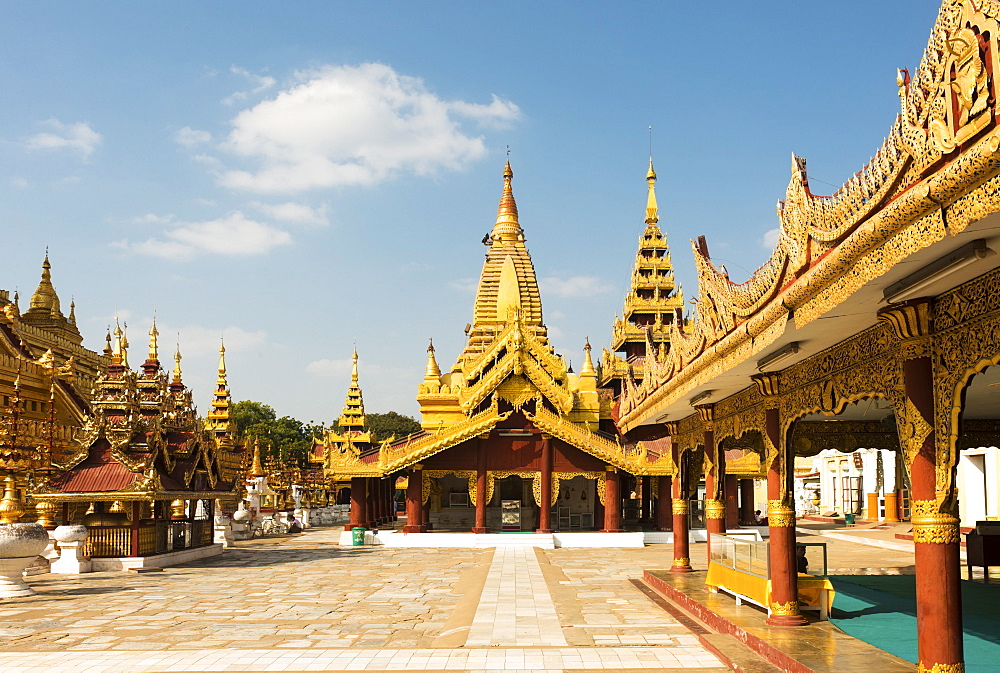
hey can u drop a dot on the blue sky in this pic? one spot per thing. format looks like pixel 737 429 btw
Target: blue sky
pixel 298 176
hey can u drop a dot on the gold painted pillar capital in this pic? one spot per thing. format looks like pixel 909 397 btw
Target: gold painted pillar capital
pixel 768 384
pixel 707 414
pixel 910 321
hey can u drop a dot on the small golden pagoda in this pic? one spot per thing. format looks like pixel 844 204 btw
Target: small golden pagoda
pixel 652 304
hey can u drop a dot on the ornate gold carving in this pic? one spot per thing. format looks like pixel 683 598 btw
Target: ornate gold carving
pixel 931 525
pixel 941 668
pixel 679 506
pixel 558 477
pixel 908 320
pixel 682 562
pixel 789 609
pixel 535 477
pixel 780 515
pixel 469 475
pixel 706 412
pixel 715 509
pixel 767 384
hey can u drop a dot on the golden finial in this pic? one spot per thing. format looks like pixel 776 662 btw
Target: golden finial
pixel 652 216
pixel 177 361
pixel 45 295
pixel 222 361
pixel 108 351
pixel 433 372
pixel 11 509
pixel 507 228
pixel 125 344
pixel 72 311
pixel 354 367
pixel 256 469
pixel 117 353
pixel 154 352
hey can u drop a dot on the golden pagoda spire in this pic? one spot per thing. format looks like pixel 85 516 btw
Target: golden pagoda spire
pixel 507 228
pixel 108 351
pixel 154 353
pixel 222 362
pixel 45 296
pixel 256 469
pixel 117 355
pixel 433 373
pixel 651 210
pixel 588 363
pixel 353 415
pixel 72 312
pixel 177 364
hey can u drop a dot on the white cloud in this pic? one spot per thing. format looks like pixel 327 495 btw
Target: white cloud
pixel 294 212
pixel 197 340
pixel 328 367
pixel 153 218
pixel 770 238
pixel 189 137
pixel 78 137
pixel 233 235
pixel 261 83
pixel 355 125
pixel 573 287
pixel 20 183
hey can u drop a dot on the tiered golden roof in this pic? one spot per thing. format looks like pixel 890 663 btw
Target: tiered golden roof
pixel 353 416
pixel 653 302
pixel 218 421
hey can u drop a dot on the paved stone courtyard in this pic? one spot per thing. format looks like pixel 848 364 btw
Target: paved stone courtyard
pixel 303 603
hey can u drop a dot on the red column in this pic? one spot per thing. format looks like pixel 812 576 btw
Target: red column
pixel 481 488
pixel 715 508
pixel 359 503
pixel 732 501
pixel 371 488
pixel 134 530
pixel 679 511
pixel 746 502
pixel 936 538
pixel 664 510
pixel 645 503
pixel 545 506
pixel 784 606
pixel 612 503
pixel 414 494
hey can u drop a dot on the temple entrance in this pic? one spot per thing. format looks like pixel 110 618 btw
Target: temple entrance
pixel 574 508
pixel 513 509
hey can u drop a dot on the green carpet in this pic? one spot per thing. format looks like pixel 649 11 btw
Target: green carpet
pixel 881 610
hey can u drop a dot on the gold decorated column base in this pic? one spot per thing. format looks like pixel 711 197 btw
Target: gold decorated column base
pixel 941 668
pixel 679 506
pixel 682 562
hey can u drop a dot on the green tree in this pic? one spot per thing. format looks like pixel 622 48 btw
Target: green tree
pixel 391 423
pixel 285 438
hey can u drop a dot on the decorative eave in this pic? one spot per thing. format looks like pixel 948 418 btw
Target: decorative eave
pixel 932 162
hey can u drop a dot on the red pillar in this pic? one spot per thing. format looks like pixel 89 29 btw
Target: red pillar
pixel 134 530
pixel 645 503
pixel 481 488
pixel 545 506
pixel 679 511
pixel 715 507
pixel 936 539
pixel 612 502
pixel 664 511
pixel 732 501
pixel 784 606
pixel 359 503
pixel 746 502
pixel 372 505
pixel 413 500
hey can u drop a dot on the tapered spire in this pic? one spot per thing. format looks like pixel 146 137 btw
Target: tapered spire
pixel 154 352
pixel 72 313
pixel 45 296
pixel 588 363
pixel 433 372
pixel 177 366
pixel 218 420
pixel 256 468
pixel 507 228
pixel 222 363
pixel 652 216
pixel 353 415
pixel 118 355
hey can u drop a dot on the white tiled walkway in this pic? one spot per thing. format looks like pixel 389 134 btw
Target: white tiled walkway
pixel 515 609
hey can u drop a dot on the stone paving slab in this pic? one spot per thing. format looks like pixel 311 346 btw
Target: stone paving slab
pixel 304 603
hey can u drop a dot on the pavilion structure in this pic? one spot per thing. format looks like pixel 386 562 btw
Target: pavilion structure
pixel 875 323
pixel 145 471
pixel 511 437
